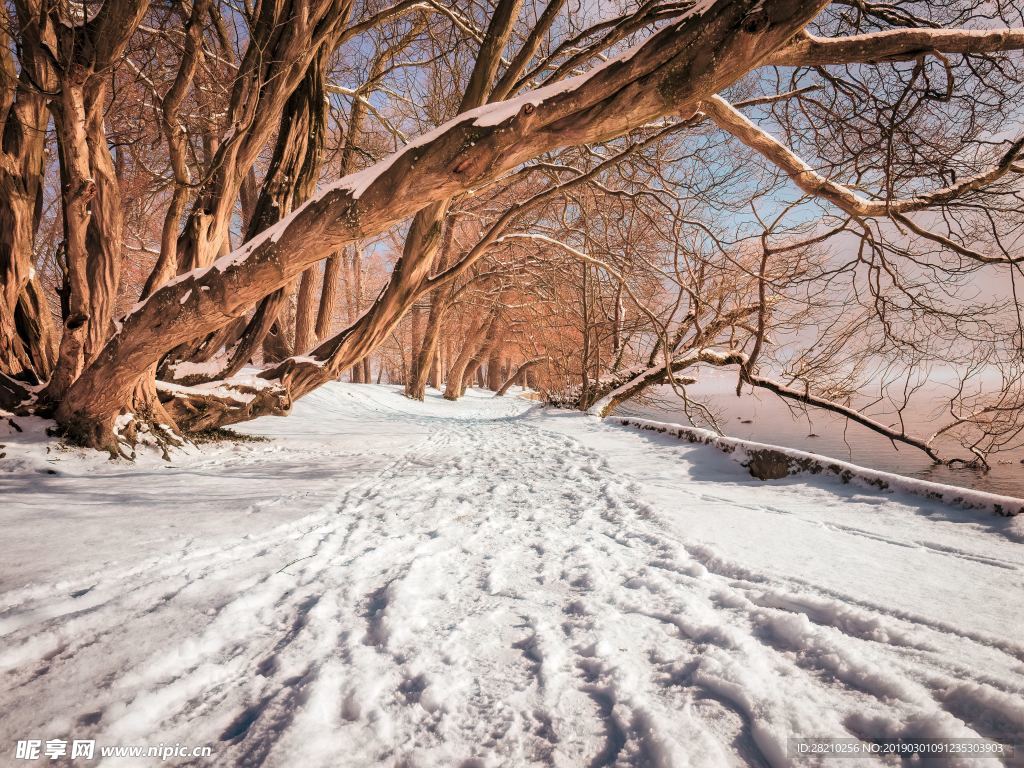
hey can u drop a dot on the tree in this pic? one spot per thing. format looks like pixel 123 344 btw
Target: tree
pixel 587 120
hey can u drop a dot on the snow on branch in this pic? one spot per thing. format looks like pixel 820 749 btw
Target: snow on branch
pixel 732 121
pixel 895 45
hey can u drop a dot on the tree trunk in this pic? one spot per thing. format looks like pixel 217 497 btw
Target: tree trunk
pixel 291 178
pixel 27 346
pixel 494 367
pixel 428 367
pixel 305 316
pixel 474 369
pixel 328 296
pixel 440 300
pixel 287 39
pixel 79 189
pixel 436 367
pixel 453 386
pixel 519 376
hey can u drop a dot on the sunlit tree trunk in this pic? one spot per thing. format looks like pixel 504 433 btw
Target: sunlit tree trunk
pixel 27 345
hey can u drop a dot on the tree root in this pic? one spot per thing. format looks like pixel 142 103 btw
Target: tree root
pixel 229 403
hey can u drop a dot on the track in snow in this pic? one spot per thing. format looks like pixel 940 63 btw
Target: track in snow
pixel 496 593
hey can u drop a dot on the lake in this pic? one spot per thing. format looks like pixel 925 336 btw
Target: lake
pixel 764 417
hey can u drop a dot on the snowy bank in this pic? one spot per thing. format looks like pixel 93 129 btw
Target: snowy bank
pixel 772 462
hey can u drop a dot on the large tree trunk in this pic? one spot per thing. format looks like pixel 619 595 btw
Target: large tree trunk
pixel 93 220
pixel 26 329
pixel 78 191
pixel 291 178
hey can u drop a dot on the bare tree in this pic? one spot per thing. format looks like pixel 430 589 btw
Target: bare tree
pixel 705 169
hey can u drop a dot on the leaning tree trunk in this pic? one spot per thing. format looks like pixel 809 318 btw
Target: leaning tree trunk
pixel 427 364
pixel 291 178
pixel 519 377
pixel 286 37
pixel 473 370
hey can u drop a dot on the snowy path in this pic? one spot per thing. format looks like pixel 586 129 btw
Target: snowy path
pixel 486 584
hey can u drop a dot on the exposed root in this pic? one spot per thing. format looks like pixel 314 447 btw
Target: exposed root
pixel 196 411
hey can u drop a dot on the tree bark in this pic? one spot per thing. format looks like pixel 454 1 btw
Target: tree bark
pixel 286 37
pixel 475 335
pixel 474 369
pixel 305 314
pixel 291 178
pixel 328 296
pixel 27 346
pixel 494 367
pixel 440 300
pixel 91 196
pixel 519 375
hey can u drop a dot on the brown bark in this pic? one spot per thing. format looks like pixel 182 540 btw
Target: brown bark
pixel 436 367
pixel 440 300
pixel 895 45
pixel 285 39
pixel 291 178
pixel 328 296
pixel 277 344
pixel 177 148
pixel 27 345
pixel 79 188
pixel 494 366
pixel 519 377
pixel 427 365
pixel 305 314
pixel 474 369
pixel 105 231
pixel 479 329
pixel 416 332
pixel 195 412
pixel 93 218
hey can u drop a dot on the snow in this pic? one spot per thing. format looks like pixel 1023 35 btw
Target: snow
pixel 232 387
pixel 489 582
pixel 741 450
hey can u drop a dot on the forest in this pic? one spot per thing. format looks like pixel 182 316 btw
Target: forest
pixel 211 208
pixel 512 383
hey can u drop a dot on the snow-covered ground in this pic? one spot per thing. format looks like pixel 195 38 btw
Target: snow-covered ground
pixel 489 583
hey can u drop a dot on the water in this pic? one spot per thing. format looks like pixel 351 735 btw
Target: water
pixel 763 417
